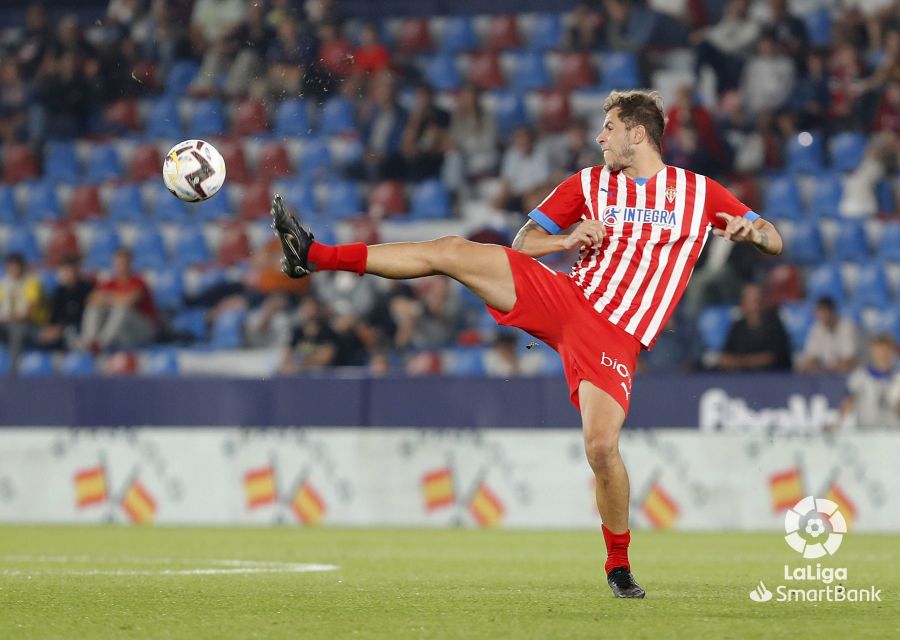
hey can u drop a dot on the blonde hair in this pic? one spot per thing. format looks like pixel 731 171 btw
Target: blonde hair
pixel 637 107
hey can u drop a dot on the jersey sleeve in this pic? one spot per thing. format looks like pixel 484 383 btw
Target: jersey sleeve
pixel 564 206
pixel 721 200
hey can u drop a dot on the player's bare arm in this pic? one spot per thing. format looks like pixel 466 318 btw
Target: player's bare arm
pixel 535 241
pixel 760 233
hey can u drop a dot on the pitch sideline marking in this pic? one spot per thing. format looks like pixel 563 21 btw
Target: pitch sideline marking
pixel 225 567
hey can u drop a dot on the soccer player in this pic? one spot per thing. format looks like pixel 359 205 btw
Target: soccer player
pixel 638 225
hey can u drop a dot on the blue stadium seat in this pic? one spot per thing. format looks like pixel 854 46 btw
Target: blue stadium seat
pixel 190 323
pixel 41 203
pixel 884 191
pixel 209 278
pixel 125 204
pixel 430 199
pixel 103 164
pixel 458 35
pixel 714 323
pixel 852 244
pixel 509 111
pixel 546 32
pixel 828 189
pixel 337 117
pixel 77 363
pixel 805 154
pixel 464 361
pixel 530 72
pixel 782 198
pixel 889 242
pixel 35 364
pixel 315 159
pixel 61 162
pixel 4 361
pixel 299 194
pixel 190 247
pixel 160 362
pixel 292 119
pixel 872 288
pixel 215 209
pixel 163 120
pixel 207 119
pixel 164 206
pixel 103 244
pixel 818 27
pixel 228 330
pixel 180 77
pixel 22 240
pixel 620 70
pixel 846 150
pixel 442 73
pixel 149 250
pixel 806 245
pixel 825 281
pixel 343 200
pixel 168 288
pixel 8 213
pixel 798 318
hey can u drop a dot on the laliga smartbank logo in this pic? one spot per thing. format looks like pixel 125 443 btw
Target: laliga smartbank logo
pixel 815 528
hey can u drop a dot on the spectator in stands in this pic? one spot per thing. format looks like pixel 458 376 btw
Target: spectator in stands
pixel 768 78
pixel 426 137
pixel 473 135
pixel 810 97
pixel 576 151
pixel 315 344
pixel 66 306
pixel 371 57
pixel 71 39
pixel 887 117
pixel 503 359
pixel 247 46
pixel 586 29
pixel 429 320
pixel 290 56
pixel 724 46
pixel 846 71
pixel 383 123
pixel 217 40
pixel 630 26
pixel 686 110
pixel 787 31
pixel 120 311
pixel 685 150
pixel 831 345
pixel 525 171
pixel 22 306
pixel 677 349
pixel 756 341
pixel 873 391
pixel 335 51
pixel 63 97
pixel 36 39
pixel 859 199
pixel 269 325
pixel 14 99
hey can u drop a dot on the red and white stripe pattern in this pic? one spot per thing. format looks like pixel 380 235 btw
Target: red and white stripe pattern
pixel 639 272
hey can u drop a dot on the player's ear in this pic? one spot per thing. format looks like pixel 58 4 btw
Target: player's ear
pixel 638 133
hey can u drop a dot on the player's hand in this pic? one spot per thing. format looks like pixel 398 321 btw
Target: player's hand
pixel 737 229
pixel 589 233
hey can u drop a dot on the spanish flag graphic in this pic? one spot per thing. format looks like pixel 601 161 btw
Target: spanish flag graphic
pixel 139 504
pixel 90 486
pixel 486 507
pixel 259 487
pixel 437 489
pixel 844 503
pixel 659 508
pixel 786 489
pixel 308 505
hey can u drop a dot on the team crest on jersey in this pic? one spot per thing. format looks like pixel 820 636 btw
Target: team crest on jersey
pixel 657 217
pixel 671 192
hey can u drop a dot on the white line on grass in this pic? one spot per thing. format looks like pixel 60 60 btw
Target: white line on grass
pixel 219 567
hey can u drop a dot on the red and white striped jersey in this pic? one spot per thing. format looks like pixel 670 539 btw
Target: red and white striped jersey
pixel 655 231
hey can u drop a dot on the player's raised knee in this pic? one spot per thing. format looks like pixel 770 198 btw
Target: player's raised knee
pixel 601 451
pixel 448 251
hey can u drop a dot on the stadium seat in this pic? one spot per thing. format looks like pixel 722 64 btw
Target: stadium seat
pixel 818 27
pixel 509 111
pixel 19 164
pixel 180 77
pixel 124 204
pixel 872 288
pixel 464 361
pixel 149 250
pixel 782 198
pixel 889 242
pixel 103 164
pixel 825 281
pixel 546 32
pixel 315 159
pixel 163 205
pixel 846 150
pixel 530 72
pixel 853 243
pixel 121 117
pixel 234 246
pixel 214 209
pixel 273 162
pixel 8 211
pixel 77 363
pixel 104 241
pixel 414 36
pixel 342 200
pixel 806 246
pixel 84 203
pixel 827 191
pixel 250 119
pixel 255 201
pixel 22 240
pixel 337 117
pixel 805 153
pixel 503 33
pixel 299 194
pixel 4 361
pixel 387 198
pixel 575 71
pixel 430 199
pixel 228 330
pixel 714 323
pixel 160 362
pixel 35 364
pixel 190 323
pixel 292 119
pixel 235 162
pixel 190 247
pixel 442 73
pixel 887 203
pixel 207 119
pixel 458 35
pixel 620 71
pixel 63 242
pixel 146 164
pixel 556 112
pixel 484 70
pixel 797 318
pixel 61 162
pixel 168 288
pixel 783 284
pixel 162 120
pixel 41 203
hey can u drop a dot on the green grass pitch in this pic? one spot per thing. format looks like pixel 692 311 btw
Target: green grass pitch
pixel 118 582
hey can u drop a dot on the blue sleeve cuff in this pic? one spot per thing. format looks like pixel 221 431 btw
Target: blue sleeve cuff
pixel 542 219
pixel 752 216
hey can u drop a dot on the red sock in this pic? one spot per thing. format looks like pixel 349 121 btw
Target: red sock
pixel 616 549
pixel 343 257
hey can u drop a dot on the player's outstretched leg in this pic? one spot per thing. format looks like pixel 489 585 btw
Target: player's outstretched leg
pixel 483 268
pixel 602 419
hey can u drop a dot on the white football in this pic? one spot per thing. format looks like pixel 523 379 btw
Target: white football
pixel 193 170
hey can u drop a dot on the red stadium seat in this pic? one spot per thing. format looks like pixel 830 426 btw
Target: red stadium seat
pixel 484 70
pixel 84 203
pixel 63 242
pixel 274 162
pixel 235 162
pixel 255 201
pixel 784 284
pixel 575 71
pixel 249 119
pixel 556 112
pixel 235 245
pixel 387 198
pixel 503 33
pixel 146 164
pixel 414 36
pixel 123 114
pixel 19 163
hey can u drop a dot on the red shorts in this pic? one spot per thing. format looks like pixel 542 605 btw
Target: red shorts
pixel 552 308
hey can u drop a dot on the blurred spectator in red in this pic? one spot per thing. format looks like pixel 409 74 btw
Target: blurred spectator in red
pixel 383 122
pixel 14 100
pixel 335 51
pixel 767 79
pixel 832 343
pixel 756 341
pixel 724 46
pixel 426 137
pixel 371 56
pixel 887 118
pixel 66 306
pixel 525 171
pixel 686 109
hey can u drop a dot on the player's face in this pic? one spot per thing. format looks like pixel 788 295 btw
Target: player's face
pixel 615 140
